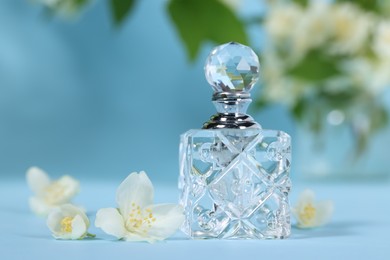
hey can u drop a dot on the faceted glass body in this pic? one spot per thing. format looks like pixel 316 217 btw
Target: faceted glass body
pixel 235 183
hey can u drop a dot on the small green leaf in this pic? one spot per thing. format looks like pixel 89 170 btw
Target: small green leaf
pixel 338 100
pixel 199 21
pixel 315 67
pixel 120 9
pixel 260 103
pixel 298 110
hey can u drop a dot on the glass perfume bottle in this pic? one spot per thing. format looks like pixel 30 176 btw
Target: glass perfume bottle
pixel 234 175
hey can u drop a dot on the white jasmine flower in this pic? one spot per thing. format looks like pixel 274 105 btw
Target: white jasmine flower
pixel 49 194
pixel 350 28
pixel 310 213
pixel 137 219
pixel 381 44
pixel 68 222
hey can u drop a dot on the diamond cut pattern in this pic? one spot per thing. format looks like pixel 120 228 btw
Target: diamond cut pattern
pixel 232 67
pixel 244 192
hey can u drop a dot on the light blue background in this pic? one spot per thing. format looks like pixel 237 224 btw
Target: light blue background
pixel 84 98
pixel 97 102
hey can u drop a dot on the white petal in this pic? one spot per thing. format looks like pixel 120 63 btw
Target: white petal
pixel 37 180
pixel 70 210
pixel 67 210
pixel 324 212
pixel 79 227
pixel 69 186
pixel 111 222
pixel 53 221
pixel 62 235
pixel 136 188
pixel 80 222
pixel 169 217
pixel 307 196
pixel 39 206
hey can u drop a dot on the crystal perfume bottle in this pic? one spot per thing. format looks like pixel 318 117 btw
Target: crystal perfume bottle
pixel 234 175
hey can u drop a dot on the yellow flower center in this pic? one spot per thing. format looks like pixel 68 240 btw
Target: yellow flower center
pixel 140 220
pixel 307 214
pixel 343 28
pixel 66 224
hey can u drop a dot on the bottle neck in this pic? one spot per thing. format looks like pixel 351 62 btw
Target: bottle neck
pixel 231 108
pixel 231 103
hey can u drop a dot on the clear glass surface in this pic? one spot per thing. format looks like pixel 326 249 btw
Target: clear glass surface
pixel 232 67
pixel 235 183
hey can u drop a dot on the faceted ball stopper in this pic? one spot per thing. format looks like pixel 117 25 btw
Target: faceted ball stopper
pixel 232 67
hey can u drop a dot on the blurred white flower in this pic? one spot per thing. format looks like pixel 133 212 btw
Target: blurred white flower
pixel 312 29
pixel 381 44
pixel 299 29
pixel 328 55
pixel 137 219
pixel 310 213
pixel 284 90
pixel 49 194
pixel 370 74
pixel 282 19
pixel 350 28
pixel 65 7
pixel 68 222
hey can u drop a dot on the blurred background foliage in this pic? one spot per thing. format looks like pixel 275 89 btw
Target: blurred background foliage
pixel 326 62
pixel 197 21
pixel 316 57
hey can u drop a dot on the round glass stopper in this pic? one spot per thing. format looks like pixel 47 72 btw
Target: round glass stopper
pixel 232 67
